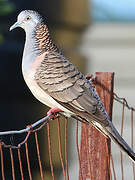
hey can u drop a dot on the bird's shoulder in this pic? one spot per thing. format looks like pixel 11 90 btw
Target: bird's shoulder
pixel 55 68
pixel 64 82
pixel 54 61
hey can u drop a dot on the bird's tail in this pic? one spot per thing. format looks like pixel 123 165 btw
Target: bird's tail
pixel 111 132
pixel 107 128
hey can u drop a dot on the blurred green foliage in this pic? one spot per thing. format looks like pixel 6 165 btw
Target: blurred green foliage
pixel 6 7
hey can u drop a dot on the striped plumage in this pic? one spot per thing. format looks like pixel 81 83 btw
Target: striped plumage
pixel 62 81
pixel 56 82
pixel 43 39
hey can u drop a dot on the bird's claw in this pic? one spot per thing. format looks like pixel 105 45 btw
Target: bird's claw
pixel 54 113
pixel 91 78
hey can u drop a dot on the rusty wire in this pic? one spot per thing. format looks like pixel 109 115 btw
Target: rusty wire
pixel 60 150
pixel 114 173
pixel 20 164
pixel 78 152
pixel 88 153
pixel 122 101
pixel 2 162
pixel 108 157
pixel 132 138
pixel 50 151
pixel 42 122
pixel 66 147
pixel 12 163
pixel 28 161
pixel 38 154
pixel 121 155
pixel 29 129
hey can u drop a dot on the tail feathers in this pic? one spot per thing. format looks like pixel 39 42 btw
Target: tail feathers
pixel 110 131
pixel 115 136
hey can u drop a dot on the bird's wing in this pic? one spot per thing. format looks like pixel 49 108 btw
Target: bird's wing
pixel 62 81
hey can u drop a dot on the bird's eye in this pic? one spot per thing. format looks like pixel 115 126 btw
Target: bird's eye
pixel 28 18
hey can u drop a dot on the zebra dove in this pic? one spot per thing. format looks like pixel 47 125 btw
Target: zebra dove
pixel 57 83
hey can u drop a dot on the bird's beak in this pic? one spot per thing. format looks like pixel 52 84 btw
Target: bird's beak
pixel 17 24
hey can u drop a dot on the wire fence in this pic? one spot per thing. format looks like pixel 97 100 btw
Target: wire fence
pixel 127 118
pixel 22 150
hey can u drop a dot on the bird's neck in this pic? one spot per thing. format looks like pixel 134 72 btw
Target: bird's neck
pixel 37 42
pixel 43 40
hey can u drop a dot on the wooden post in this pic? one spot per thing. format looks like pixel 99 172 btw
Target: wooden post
pixel 95 148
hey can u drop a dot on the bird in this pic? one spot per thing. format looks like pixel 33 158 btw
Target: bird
pixel 57 83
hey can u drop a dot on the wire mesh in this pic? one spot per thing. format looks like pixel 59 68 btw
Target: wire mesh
pixel 126 113
pixel 33 130
pixel 20 164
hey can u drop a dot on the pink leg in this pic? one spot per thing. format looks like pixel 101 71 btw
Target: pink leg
pixel 89 76
pixel 54 112
pixel 93 79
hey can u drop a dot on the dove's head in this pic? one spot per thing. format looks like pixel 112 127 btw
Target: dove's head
pixel 28 20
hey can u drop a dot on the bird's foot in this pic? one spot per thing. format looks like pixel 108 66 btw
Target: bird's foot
pixel 54 113
pixel 91 77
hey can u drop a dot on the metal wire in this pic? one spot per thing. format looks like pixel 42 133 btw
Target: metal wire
pixel 50 152
pixel 132 138
pixel 121 155
pixel 38 154
pixel 88 153
pixel 39 125
pixel 114 173
pixel 78 152
pixel 20 164
pixel 28 161
pixel 108 157
pixel 28 128
pixel 2 162
pixel 66 147
pixel 12 163
pixel 60 150
pixel 122 101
